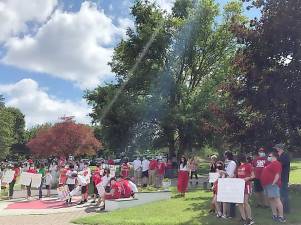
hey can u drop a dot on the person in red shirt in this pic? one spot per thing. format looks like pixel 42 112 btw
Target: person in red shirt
pixel 125 169
pixel 245 171
pixel 259 163
pixel 153 165
pixel 30 170
pixel 126 190
pixel 115 192
pixel 160 173
pixel 271 182
pixel 96 179
pixel 111 162
pixel 12 184
pixel 63 175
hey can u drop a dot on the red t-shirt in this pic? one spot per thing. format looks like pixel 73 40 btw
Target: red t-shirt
pixel 245 170
pixel 153 164
pixel 17 173
pixel 269 173
pixel 117 190
pixel 31 171
pixel 126 188
pixel 63 176
pixel 111 162
pixel 125 170
pixel 161 168
pixel 259 163
pixel 96 178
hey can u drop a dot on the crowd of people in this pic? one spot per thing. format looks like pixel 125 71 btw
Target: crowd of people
pixel 267 175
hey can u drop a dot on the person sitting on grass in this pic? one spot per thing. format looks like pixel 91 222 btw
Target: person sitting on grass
pixel 126 189
pixel 245 171
pixel 115 192
pixel 271 182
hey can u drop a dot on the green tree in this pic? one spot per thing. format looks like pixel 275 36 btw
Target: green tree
pixel 266 89
pixel 189 50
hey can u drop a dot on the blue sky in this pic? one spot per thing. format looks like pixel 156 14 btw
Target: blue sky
pixel 52 50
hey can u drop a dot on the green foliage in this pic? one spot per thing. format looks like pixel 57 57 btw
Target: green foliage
pixel 266 105
pixel 165 100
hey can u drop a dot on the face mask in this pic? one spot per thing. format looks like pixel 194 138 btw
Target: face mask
pixel 261 154
pixel 270 158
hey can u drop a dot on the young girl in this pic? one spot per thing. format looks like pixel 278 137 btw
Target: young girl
pixel 245 171
pixel 183 177
pixel 48 180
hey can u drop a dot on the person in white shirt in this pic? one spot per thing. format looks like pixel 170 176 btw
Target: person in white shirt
pixel 145 168
pixel 183 176
pixel 71 178
pixel 230 168
pixel 48 180
pixel 137 170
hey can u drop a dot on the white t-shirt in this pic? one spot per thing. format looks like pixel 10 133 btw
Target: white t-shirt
pixel 70 179
pixel 81 180
pixel 105 180
pixel 137 164
pixel 48 179
pixel 184 168
pixel 145 165
pixel 230 168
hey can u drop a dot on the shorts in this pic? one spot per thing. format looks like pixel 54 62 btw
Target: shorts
pixel 257 186
pixel 84 189
pixel 145 173
pixel 272 191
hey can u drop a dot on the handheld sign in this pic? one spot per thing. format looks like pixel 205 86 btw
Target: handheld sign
pixel 8 176
pixel 25 178
pixel 213 177
pixel 36 180
pixel 231 190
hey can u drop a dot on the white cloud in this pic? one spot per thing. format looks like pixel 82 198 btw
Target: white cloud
pixel 38 106
pixel 15 14
pixel 74 46
pixel 124 24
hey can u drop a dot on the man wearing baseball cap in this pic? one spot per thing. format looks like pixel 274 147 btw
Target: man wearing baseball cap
pixel 284 159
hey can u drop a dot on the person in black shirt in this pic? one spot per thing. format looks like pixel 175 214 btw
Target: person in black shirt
pixel 284 159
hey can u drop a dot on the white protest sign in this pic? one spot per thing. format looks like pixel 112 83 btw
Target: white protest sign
pixel 36 180
pixel 231 190
pixel 25 178
pixel 8 176
pixel 213 177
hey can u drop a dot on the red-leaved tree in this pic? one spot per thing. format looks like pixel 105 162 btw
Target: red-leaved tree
pixel 64 138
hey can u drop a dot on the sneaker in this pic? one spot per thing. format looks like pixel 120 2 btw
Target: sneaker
pixel 102 208
pixel 250 221
pixel 93 201
pixel 80 203
pixel 218 215
pixel 281 220
pixel 275 218
pixel 224 217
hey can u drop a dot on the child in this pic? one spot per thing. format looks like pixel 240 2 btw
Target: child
pixel 48 180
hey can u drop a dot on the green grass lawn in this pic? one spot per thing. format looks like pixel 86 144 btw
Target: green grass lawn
pixel 295 175
pixel 188 211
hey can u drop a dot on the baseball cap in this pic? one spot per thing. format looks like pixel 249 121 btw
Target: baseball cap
pixel 279 146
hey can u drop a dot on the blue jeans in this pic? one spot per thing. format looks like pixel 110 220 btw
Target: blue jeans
pixel 284 197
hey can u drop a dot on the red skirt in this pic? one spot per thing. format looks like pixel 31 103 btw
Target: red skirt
pixel 183 178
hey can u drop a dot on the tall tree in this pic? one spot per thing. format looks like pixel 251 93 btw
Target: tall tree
pixel 185 50
pixel 267 88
